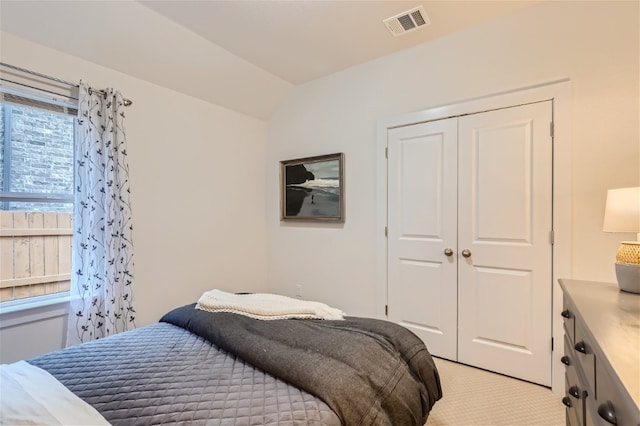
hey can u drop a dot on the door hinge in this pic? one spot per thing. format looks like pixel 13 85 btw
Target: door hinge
pixel 552 344
pixel 386 153
pixel 551 129
pixel 552 236
pixel 386 231
pixel 386 310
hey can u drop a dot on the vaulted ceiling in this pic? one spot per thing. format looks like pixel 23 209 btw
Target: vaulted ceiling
pixel 242 55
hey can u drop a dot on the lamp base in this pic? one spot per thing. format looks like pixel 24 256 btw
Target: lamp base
pixel 629 252
pixel 628 275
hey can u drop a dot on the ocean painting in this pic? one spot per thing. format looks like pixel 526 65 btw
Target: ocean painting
pixel 312 188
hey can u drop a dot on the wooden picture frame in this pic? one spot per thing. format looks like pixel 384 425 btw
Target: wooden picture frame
pixel 312 189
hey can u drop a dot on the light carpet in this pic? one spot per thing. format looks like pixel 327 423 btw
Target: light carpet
pixel 472 396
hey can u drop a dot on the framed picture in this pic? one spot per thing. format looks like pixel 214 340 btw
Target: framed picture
pixel 311 189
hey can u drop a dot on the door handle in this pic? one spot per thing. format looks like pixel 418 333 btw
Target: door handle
pixel 448 252
pixel 466 253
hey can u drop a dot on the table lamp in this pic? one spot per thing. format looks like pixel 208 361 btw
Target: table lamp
pixel 622 214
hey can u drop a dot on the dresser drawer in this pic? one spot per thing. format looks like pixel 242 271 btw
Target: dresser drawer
pixel 574 406
pixel 569 361
pixel 575 390
pixel 590 414
pixel 585 358
pixel 612 402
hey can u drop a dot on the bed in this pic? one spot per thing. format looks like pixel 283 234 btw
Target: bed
pixel 222 368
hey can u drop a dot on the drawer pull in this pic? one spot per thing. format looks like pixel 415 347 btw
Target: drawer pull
pixel 574 392
pixel 565 314
pixel 607 412
pixel 566 401
pixel 565 360
pixel 581 347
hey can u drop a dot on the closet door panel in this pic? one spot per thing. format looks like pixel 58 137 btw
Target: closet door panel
pixel 422 292
pixel 504 224
pixel 501 184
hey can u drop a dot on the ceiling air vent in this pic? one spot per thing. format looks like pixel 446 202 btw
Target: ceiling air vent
pixel 407 21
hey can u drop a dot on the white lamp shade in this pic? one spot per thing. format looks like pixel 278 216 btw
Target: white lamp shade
pixel 622 211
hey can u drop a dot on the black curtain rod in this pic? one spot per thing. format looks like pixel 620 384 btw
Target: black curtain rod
pixel 127 102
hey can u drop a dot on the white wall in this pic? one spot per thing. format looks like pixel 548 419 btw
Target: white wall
pixel 595 44
pixel 198 193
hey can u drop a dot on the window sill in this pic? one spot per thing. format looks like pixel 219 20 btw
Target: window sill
pixel 33 309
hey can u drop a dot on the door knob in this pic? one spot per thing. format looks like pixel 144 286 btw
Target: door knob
pixel 466 253
pixel 448 252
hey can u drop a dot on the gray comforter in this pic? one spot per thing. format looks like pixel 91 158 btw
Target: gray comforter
pixel 370 372
pixel 162 374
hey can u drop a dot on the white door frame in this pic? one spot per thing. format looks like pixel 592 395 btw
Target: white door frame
pixel 560 93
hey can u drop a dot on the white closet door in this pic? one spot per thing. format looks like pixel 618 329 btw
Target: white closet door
pixel 505 223
pixel 422 188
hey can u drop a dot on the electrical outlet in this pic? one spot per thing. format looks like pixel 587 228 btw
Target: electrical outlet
pixel 299 291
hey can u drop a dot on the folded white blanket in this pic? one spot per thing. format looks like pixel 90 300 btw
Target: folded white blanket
pixel 264 306
pixel 32 396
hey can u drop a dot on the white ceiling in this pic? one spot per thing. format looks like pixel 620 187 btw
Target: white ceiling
pixel 243 55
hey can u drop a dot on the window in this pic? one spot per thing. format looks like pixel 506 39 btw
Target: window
pixel 36 196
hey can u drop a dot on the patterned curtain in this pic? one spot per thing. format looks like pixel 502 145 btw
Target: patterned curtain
pixel 102 265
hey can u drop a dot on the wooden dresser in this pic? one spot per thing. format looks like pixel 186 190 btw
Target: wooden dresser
pixel 601 354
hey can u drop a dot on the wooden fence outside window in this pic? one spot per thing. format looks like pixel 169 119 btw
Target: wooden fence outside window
pixel 35 253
